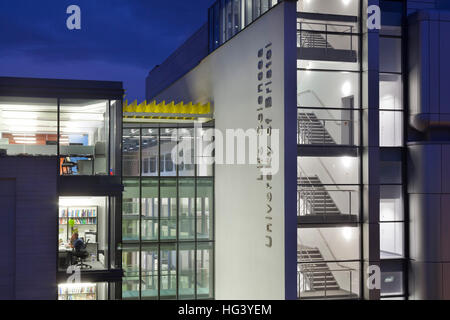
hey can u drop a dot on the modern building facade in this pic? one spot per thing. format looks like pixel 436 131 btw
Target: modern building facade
pixel 361 113
pixel 358 179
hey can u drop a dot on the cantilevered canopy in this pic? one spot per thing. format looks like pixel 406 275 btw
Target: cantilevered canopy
pixel 166 112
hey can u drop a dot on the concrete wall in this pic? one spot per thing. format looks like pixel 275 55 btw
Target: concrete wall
pixel 29 208
pixel 186 57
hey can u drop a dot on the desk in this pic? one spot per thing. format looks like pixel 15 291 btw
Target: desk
pixel 64 257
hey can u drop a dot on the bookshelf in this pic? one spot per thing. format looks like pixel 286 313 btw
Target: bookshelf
pixel 84 217
pixel 79 291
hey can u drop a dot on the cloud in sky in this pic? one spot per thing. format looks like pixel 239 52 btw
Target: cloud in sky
pixel 120 40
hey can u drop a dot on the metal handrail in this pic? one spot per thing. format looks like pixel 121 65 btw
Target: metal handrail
pixel 325 32
pixel 304 128
pixel 310 201
pixel 325 280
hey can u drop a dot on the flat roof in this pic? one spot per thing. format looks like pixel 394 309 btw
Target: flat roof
pixel 62 88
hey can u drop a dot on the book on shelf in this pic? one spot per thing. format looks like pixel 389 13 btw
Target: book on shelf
pixel 78 212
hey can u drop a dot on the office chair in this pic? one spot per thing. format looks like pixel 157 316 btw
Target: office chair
pixel 82 254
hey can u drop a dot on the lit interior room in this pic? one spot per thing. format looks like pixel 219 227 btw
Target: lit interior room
pixel 83 291
pixel 339 7
pixel 29 126
pixel 84 137
pixel 84 218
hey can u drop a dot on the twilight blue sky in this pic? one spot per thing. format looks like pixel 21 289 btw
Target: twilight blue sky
pixel 120 40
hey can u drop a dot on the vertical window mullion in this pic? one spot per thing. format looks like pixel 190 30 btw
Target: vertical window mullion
pixel 177 234
pixel 196 155
pixel 159 212
pixel 140 213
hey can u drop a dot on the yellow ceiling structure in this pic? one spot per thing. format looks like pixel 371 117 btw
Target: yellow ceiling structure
pixel 166 112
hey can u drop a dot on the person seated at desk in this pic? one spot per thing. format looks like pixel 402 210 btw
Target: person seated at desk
pixel 80 251
pixel 75 242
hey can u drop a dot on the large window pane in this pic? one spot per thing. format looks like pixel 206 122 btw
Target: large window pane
pixel 205 270
pixel 149 209
pixel 328 170
pixel 248 11
pixel 204 152
pixel 347 7
pixel 83 291
pixel 332 244
pixel 391 128
pixel 168 141
pixel 84 140
pixel 186 276
pixel 328 89
pixel 187 208
pixel 150 147
pixel 391 92
pixel 28 126
pixel 391 203
pixel 130 266
pixel 392 274
pixel 328 280
pixel 205 209
pixel 168 191
pixel 88 219
pixel 327 126
pixel 390 166
pixel 390 54
pixel 168 269
pixel 130 210
pixel 391 240
pixel 149 272
pixel 391 17
pixel 131 152
pixel 327 204
pixel 186 152
pixel 236 16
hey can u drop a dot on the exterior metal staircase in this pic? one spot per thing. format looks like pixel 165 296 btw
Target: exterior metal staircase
pixel 317 276
pixel 315 205
pixel 313 40
pixel 316 199
pixel 312 131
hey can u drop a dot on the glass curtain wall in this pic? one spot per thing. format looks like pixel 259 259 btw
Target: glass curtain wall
pixel 167 215
pixel 329 163
pixel 29 126
pixel 393 242
pixel 228 17
pixel 81 139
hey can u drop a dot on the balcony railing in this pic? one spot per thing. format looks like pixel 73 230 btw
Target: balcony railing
pixel 316 284
pixel 320 201
pixel 327 42
pixel 311 130
pixel 319 35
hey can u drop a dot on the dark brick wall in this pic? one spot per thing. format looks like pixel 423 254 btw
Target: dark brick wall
pixel 29 204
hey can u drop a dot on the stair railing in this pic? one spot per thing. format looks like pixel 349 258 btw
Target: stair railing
pixel 304 129
pixel 307 269
pixel 322 104
pixel 310 32
pixel 307 273
pixel 334 257
pixel 308 205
